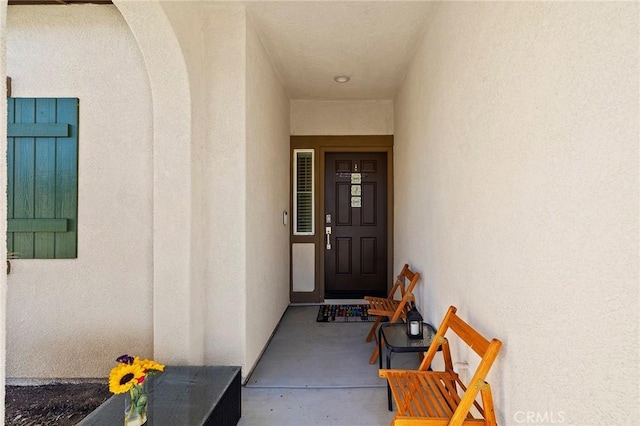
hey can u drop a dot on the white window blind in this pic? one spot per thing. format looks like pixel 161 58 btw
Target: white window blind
pixel 303 203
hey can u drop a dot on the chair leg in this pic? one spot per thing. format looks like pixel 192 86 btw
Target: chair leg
pixel 374 327
pixel 376 353
pixel 487 402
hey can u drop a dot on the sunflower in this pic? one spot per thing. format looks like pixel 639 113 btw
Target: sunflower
pixel 124 376
pixel 149 365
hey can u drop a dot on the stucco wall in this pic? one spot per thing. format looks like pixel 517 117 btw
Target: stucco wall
pixel 366 117
pixel 267 256
pixel 98 306
pixel 241 113
pixel 175 334
pixel 208 215
pixel 3 212
pixel 225 185
pixel 213 41
pixel 192 44
pixel 516 152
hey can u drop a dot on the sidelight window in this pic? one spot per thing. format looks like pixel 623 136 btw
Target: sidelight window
pixel 303 203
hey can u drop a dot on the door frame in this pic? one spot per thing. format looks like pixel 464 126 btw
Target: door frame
pixel 321 146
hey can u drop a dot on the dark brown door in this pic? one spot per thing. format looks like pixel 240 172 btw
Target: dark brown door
pixel 356 217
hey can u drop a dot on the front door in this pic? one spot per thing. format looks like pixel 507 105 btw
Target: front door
pixel 355 224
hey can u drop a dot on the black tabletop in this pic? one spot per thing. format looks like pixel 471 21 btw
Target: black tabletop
pixel 396 338
pixel 178 396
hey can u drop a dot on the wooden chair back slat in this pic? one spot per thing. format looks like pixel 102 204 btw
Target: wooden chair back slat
pixel 471 337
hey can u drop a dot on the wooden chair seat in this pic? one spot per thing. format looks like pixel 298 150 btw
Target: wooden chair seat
pixel 441 398
pixel 395 306
pixel 382 306
pixel 428 394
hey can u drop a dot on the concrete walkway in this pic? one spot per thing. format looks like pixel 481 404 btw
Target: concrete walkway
pixel 286 405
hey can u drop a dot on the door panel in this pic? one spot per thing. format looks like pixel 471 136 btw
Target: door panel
pixel 342 204
pixel 356 202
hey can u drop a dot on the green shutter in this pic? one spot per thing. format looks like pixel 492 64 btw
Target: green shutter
pixel 42 181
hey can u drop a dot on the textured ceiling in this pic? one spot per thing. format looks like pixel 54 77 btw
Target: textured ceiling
pixel 311 42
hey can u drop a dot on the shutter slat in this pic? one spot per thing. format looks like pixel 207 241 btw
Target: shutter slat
pixel 37 225
pixel 45 188
pixel 67 180
pixel 10 167
pixel 35 130
pixel 24 163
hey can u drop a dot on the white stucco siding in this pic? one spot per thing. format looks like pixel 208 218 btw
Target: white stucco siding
pixel 225 194
pixel 267 256
pixel 71 318
pixel 369 117
pixel 184 21
pixel 175 335
pixel 240 180
pixel 3 212
pixel 516 186
pixel 212 38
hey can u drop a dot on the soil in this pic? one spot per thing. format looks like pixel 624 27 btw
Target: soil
pixel 62 404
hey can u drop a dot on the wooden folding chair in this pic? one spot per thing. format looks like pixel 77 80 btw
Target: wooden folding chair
pixel 440 397
pixel 394 309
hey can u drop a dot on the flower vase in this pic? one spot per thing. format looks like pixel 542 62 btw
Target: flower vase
pixel 135 406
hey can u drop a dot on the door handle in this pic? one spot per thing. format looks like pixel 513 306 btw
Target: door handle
pixel 327 233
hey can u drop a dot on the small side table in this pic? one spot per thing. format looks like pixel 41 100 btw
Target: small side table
pixel 396 340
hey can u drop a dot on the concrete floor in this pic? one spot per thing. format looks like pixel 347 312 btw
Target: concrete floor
pixel 348 407
pixel 314 406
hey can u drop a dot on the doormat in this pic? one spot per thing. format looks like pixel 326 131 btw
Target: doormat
pixel 345 313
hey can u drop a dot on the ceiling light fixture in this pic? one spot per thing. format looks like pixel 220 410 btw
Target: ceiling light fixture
pixel 341 78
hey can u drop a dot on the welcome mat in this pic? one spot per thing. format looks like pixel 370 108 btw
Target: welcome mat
pixel 344 313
